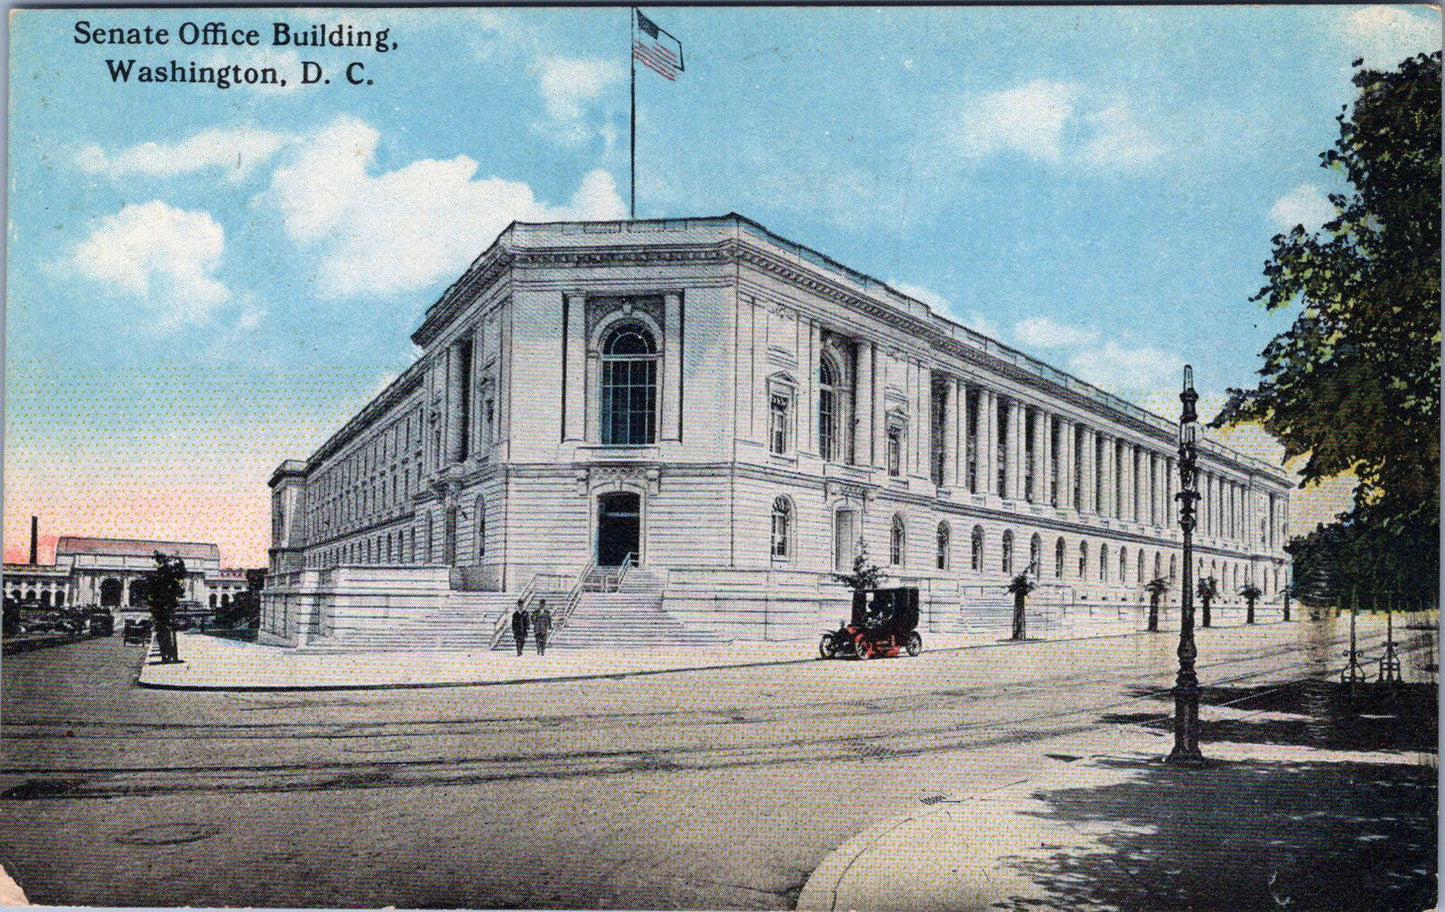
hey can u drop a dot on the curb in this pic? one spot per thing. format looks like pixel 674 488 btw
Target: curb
pixel 600 676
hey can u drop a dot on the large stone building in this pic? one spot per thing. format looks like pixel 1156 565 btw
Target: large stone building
pixel 736 415
pixel 109 572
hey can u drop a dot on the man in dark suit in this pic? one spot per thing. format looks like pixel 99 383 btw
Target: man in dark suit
pixel 541 625
pixel 520 623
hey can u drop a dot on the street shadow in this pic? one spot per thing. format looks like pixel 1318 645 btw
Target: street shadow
pixel 1333 716
pixel 1242 836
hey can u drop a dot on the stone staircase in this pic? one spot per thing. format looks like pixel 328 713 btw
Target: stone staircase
pixel 462 622
pixel 614 613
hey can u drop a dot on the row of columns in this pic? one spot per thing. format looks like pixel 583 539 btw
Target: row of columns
pixel 1131 482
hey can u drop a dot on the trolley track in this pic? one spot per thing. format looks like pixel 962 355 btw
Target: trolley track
pixel 943 732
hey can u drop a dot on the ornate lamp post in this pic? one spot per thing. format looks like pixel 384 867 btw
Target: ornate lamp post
pixel 1186 686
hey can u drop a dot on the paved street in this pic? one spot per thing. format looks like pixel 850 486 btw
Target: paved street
pixel 720 788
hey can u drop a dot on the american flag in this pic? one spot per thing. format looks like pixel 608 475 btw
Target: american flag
pixel 656 49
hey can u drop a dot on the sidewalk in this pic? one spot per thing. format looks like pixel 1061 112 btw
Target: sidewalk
pixel 1291 813
pixel 213 663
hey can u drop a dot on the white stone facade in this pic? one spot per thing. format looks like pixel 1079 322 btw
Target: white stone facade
pixel 739 411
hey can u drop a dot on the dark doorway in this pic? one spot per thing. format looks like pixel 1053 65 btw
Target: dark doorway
pixel 138 593
pixel 110 592
pixel 619 524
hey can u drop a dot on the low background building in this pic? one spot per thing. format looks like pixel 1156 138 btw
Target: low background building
pixel 109 572
pixel 714 420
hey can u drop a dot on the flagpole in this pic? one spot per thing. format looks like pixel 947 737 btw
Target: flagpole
pixel 632 144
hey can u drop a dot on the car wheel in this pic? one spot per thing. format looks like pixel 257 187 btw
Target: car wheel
pixel 914 644
pixel 827 648
pixel 863 649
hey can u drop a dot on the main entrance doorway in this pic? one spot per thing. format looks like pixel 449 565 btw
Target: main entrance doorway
pixel 619 526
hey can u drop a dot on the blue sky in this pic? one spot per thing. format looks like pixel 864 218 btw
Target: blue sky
pixel 203 282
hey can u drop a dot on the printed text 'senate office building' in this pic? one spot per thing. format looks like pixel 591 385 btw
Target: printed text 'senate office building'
pixel 733 414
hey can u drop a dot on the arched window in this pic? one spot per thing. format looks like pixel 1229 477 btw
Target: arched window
pixel 829 400
pixel 942 556
pixel 1059 558
pixel 1104 563
pixel 1006 562
pixel 629 386
pixel 1036 556
pixel 1123 565
pixel 481 508
pixel 975 549
pixel 897 541
pixel 782 528
pixel 1173 570
pixel 1083 560
pixel 1158 565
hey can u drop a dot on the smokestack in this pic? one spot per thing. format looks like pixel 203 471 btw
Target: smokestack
pixel 34 540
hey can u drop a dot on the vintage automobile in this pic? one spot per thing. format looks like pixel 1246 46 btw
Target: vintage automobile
pixel 883 624
pixel 136 631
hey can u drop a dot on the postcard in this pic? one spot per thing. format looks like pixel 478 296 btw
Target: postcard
pixel 722 457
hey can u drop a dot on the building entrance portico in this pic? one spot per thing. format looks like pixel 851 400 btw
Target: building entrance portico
pixel 619 528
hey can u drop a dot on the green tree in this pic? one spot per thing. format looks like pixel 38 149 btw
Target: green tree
pixel 1020 586
pixel 1251 594
pixel 164 587
pixel 1156 588
pixel 1354 384
pixel 866 575
pixel 1207 589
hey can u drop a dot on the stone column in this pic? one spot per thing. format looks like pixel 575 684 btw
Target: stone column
pixel 1066 463
pixel 453 431
pixel 807 402
pixel 574 399
pixel 960 437
pixel 862 406
pixel 670 418
pixel 1106 475
pixel 988 443
pixel 1014 487
pixel 950 432
pixel 1041 456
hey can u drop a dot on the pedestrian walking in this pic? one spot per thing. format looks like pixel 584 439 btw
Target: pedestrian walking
pixel 520 623
pixel 541 625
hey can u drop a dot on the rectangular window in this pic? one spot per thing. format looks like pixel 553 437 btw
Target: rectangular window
pixel 1099 468
pixel 465 410
pixel 938 445
pixel 895 450
pixel 1001 452
pixel 971 411
pixel 1054 444
pixel 1078 468
pixel 778 423
pixel 1031 420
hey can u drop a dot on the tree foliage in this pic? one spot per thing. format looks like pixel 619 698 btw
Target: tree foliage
pixel 1022 585
pixel 1354 384
pixel 164 587
pixel 866 575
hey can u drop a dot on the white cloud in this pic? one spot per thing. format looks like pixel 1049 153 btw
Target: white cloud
pixel 1126 370
pixel 1305 205
pixel 1386 35
pixel 1029 119
pixel 1116 137
pixel 566 84
pixel 406 229
pixel 235 150
pixel 165 257
pixel 1042 332
pixel 1054 122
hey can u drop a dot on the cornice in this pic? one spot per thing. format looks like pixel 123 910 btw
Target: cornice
pixel 501 257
